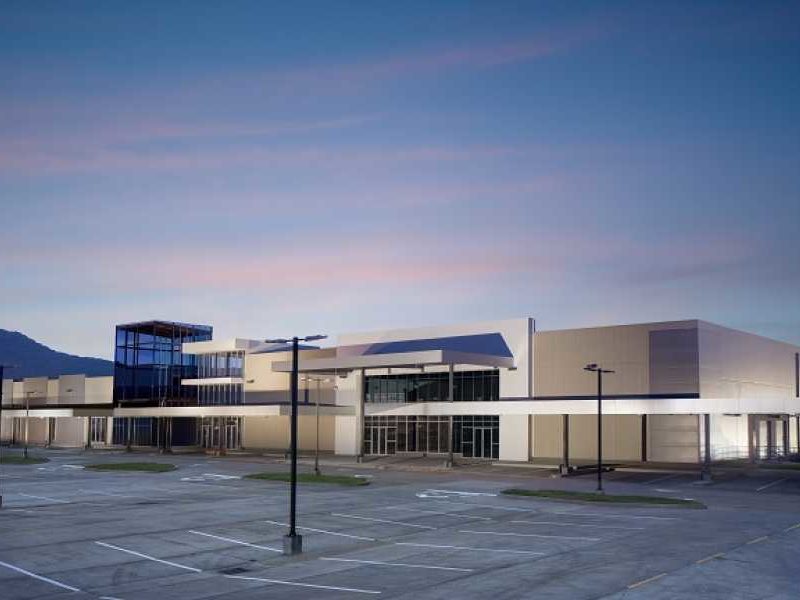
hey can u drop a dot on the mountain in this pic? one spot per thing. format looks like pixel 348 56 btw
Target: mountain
pixel 32 359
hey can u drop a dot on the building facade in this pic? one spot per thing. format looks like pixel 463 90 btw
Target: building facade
pixel 497 391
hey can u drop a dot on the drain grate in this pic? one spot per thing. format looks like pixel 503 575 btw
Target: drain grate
pixel 235 570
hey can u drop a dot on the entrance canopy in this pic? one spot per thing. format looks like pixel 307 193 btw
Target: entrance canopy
pixel 404 360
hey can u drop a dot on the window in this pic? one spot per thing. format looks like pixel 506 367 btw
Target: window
pixel 468 386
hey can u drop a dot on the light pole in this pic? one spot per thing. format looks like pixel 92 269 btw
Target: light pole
pixel 292 542
pixel 2 369
pixel 599 371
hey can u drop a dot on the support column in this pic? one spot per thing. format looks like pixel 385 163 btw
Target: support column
pixel 88 433
pixel 786 423
pixel 360 421
pixel 130 433
pixel 564 468
pixel 450 389
pixel 705 472
pixel 798 433
pixel 644 438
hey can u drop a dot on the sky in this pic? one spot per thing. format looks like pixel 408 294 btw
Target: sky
pixel 279 168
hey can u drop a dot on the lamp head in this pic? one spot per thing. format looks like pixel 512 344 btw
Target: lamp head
pixel 590 367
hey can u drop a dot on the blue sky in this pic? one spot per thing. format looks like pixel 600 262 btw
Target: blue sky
pixel 279 168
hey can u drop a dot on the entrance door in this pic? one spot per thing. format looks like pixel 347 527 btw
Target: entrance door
pixel 384 439
pixel 482 442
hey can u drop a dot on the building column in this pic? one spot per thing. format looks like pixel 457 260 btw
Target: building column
pixel 450 392
pixel 644 438
pixel 564 467
pixel 785 423
pixel 88 436
pixel 360 421
pixel 705 472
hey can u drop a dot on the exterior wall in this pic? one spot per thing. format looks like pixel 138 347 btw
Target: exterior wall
pixel 263 385
pixel 729 437
pixel 272 433
pixel 739 365
pixel 673 438
pixel 560 357
pixel 514 438
pixel 622 437
pixel 71 432
pixel 98 390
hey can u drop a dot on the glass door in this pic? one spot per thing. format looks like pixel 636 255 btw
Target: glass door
pixel 482 442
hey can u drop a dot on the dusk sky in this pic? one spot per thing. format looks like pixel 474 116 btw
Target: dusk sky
pixel 273 168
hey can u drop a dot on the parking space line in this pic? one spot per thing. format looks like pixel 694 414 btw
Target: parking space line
pixel 43 498
pixel 758 539
pixel 568 524
pixel 476 505
pixel 393 564
pixel 233 541
pixel 347 535
pixel 444 547
pixel 437 512
pixel 709 558
pixel 644 581
pixel 536 535
pixel 613 516
pixel 382 521
pixel 769 485
pixel 664 478
pixel 153 558
pixel 299 584
pixel 39 577
pixel 795 526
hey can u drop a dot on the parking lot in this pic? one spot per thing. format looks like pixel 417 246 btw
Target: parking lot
pixel 202 531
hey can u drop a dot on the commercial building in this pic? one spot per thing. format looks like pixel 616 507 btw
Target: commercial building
pixel 487 391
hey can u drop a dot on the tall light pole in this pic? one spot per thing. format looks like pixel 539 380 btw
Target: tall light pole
pixel 599 371
pixel 319 381
pixel 2 369
pixel 292 542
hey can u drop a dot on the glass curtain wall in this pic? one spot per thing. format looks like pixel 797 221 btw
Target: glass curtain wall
pixel 473 436
pixel 468 386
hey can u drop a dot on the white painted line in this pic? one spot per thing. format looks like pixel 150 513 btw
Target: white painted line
pixel 145 556
pixel 534 535
pixel 347 535
pixel 43 498
pixel 499 550
pixel 111 494
pixel 109 598
pixel 381 521
pixel 437 512
pixel 475 505
pixel 769 485
pixel 613 516
pixel 456 493
pixel 39 577
pixel 308 585
pixel 392 564
pixel 233 541
pixel 664 478
pixel 562 523
pixel 644 581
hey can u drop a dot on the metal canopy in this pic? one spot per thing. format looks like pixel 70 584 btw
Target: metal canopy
pixel 405 360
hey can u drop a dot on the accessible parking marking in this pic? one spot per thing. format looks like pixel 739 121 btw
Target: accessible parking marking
pixel 393 564
pixel 233 541
pixel 39 577
pixel 147 557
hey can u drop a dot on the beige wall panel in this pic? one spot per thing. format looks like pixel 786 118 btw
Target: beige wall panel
pixel 672 438
pixel 71 432
pixel 272 433
pixel 346 436
pixel 514 438
pixel 37 431
pixel 735 364
pixel 547 436
pixel 99 390
pixel 622 437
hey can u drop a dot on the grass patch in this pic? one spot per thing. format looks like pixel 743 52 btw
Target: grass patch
pixel 312 478
pixel 148 467
pixel 792 466
pixel 21 460
pixel 605 498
